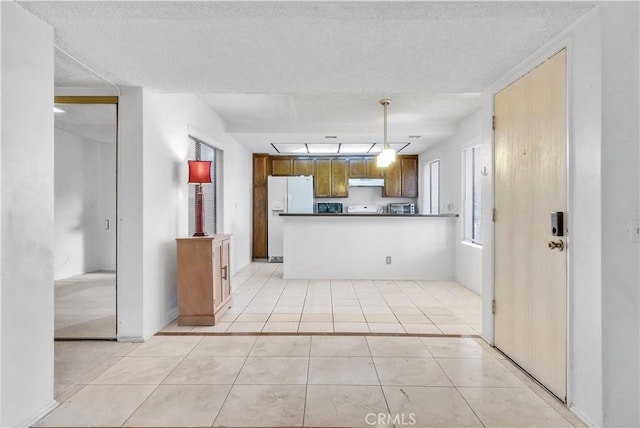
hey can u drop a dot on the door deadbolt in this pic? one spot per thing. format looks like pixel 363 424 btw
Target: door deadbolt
pixel 559 245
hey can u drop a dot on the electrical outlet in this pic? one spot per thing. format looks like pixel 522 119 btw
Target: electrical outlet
pixel 388 260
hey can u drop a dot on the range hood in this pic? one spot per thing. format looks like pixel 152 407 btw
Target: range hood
pixel 366 182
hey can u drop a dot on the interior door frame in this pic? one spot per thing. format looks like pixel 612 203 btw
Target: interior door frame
pixel 522 69
pixel 112 100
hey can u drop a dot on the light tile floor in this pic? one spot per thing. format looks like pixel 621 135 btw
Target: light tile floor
pixel 311 381
pixel 265 302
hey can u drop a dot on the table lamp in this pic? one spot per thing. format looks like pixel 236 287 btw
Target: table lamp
pixel 199 174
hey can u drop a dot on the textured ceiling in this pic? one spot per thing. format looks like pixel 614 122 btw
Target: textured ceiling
pixel 268 67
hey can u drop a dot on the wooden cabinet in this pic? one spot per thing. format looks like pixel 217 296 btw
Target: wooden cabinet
pixel 261 170
pixel 372 169
pixel 401 178
pixel 332 178
pixel 203 279
pixel 281 166
pixel 322 180
pixel 358 168
pixel 339 178
pixel 409 169
pixel 392 180
pixel 303 167
pixel 365 168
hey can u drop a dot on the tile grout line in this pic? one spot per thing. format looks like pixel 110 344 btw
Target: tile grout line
pixel 234 382
pixel 386 401
pixel 306 388
pixel 276 304
pixel 158 385
pixel 456 388
pixel 264 283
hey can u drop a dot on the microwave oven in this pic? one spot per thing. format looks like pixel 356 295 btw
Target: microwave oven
pixel 329 208
pixel 402 208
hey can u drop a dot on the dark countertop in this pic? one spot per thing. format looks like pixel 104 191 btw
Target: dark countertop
pixel 364 215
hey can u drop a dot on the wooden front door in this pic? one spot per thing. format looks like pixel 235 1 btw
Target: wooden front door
pixel 530 183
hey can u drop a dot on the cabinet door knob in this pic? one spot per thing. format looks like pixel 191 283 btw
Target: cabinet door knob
pixel 224 276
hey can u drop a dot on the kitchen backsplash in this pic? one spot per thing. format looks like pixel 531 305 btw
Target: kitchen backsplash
pixel 366 196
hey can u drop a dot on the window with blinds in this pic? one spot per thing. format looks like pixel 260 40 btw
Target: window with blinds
pixel 472 214
pixel 198 150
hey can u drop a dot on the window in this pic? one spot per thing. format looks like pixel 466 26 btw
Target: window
pixel 198 150
pixel 431 181
pixel 434 187
pixel 472 214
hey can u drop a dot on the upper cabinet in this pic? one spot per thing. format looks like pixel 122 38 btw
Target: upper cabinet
pixel 331 174
pixel 322 179
pixel 281 166
pixel 331 179
pixel 401 178
pixel 339 178
pixel 358 168
pixel 364 168
pixel 303 167
pixel 392 180
pixel 409 168
pixel 372 169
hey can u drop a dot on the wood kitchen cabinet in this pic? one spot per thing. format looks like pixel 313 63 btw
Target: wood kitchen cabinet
pixel 372 169
pixel 339 178
pixel 261 171
pixel 365 168
pixel 322 179
pixel 358 168
pixel 203 278
pixel 401 178
pixel 392 180
pixel 332 178
pixel 281 166
pixel 303 167
pixel 409 169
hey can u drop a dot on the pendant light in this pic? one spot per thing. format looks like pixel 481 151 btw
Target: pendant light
pixel 388 155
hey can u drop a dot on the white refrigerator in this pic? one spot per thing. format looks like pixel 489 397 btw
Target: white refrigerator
pixel 285 195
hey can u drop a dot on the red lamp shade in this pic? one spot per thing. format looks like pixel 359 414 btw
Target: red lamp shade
pixel 199 172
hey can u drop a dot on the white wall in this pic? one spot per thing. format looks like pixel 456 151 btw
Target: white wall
pixel 130 215
pixel 620 172
pixel 157 159
pixel 26 218
pixel 603 141
pixel 84 181
pixel 468 257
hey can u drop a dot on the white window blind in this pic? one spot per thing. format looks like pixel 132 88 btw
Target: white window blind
pixel 472 214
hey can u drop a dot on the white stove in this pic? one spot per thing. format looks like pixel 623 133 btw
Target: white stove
pixel 365 209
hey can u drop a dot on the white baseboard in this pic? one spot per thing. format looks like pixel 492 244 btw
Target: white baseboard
pixel 130 339
pixel 42 413
pixel 584 418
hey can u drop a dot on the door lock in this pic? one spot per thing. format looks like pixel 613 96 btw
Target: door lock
pixel 559 245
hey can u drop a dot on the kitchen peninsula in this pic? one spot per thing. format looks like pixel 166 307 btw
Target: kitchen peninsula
pixel 369 246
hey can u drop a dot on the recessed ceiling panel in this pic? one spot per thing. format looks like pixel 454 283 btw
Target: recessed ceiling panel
pixel 323 149
pixel 356 148
pixel 398 147
pixel 290 148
